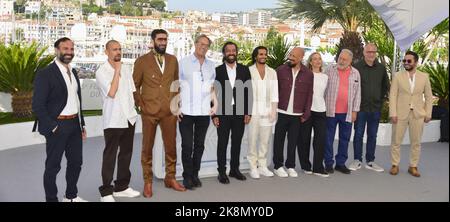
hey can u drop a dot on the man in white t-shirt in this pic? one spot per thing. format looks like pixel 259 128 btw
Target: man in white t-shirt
pixel 119 119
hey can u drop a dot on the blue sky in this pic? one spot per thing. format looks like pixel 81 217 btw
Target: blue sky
pixel 221 5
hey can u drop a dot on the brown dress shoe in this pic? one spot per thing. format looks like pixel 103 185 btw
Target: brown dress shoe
pixel 394 170
pixel 413 171
pixel 172 183
pixel 147 193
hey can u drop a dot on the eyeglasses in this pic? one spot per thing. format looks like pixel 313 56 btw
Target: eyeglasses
pixel 372 52
pixel 407 61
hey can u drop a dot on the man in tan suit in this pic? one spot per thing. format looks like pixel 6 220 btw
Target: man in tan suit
pixel 153 75
pixel 407 108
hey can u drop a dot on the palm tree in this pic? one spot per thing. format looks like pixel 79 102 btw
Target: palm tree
pixel 437 32
pixel 18 66
pixel 278 51
pixel 350 14
pixel 438 74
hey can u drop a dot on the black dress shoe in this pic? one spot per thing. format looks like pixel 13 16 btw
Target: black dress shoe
pixel 223 178
pixel 196 181
pixel 329 169
pixel 343 169
pixel 188 183
pixel 237 174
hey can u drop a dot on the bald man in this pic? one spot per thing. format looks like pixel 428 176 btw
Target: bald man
pixel 295 90
pixel 374 90
pixel 119 119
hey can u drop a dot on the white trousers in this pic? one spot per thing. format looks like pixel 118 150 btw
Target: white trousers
pixel 258 144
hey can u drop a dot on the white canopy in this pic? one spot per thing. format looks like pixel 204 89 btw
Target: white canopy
pixel 409 20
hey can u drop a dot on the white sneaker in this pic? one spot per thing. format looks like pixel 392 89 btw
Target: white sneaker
pixel 355 165
pixel 322 174
pixel 265 172
pixel 280 172
pixel 254 173
pixel 373 166
pixel 292 172
pixel 76 199
pixel 309 172
pixel 108 198
pixel 127 193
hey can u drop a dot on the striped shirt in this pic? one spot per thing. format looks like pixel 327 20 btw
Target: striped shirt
pixel 354 92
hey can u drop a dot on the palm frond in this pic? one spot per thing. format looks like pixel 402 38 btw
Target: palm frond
pixel 18 66
pixel 438 74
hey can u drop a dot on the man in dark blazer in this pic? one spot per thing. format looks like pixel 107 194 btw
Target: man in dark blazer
pixel 57 106
pixel 234 89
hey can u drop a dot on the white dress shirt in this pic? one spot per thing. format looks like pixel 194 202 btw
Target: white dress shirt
pixel 196 82
pixel 120 110
pixel 265 92
pixel 412 84
pixel 73 103
pixel 232 77
pixel 320 85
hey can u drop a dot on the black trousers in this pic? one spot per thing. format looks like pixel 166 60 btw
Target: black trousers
pixel 66 139
pixel 318 122
pixel 115 138
pixel 235 125
pixel 286 124
pixel 193 132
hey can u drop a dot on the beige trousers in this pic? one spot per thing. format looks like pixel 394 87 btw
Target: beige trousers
pixel 258 143
pixel 415 126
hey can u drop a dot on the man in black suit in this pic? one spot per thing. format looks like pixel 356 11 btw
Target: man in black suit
pixel 234 88
pixel 57 106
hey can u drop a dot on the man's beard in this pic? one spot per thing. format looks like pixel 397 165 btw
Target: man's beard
pixel 263 62
pixel 160 50
pixel 408 68
pixel 290 64
pixel 342 66
pixel 117 58
pixel 65 60
pixel 230 58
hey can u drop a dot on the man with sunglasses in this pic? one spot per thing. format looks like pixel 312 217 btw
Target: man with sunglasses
pixel 197 74
pixel 374 90
pixel 410 105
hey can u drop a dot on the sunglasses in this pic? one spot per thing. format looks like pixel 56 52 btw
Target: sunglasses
pixel 407 61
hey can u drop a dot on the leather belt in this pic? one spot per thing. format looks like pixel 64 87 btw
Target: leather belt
pixel 67 117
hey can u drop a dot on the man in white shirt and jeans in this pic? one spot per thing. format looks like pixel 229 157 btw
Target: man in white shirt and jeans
pixel 119 118
pixel 197 74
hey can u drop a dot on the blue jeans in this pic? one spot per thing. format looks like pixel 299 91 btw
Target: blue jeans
pixel 345 131
pixel 372 119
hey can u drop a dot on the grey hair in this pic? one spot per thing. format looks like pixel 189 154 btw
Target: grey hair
pixel 202 36
pixel 350 53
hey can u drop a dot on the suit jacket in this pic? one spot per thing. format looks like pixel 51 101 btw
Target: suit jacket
pixel 225 106
pixel 153 92
pixel 400 96
pixel 50 98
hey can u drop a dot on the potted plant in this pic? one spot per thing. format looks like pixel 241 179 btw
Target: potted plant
pixel 18 66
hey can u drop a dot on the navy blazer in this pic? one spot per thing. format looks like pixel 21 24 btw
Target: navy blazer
pixel 50 98
pixel 225 107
